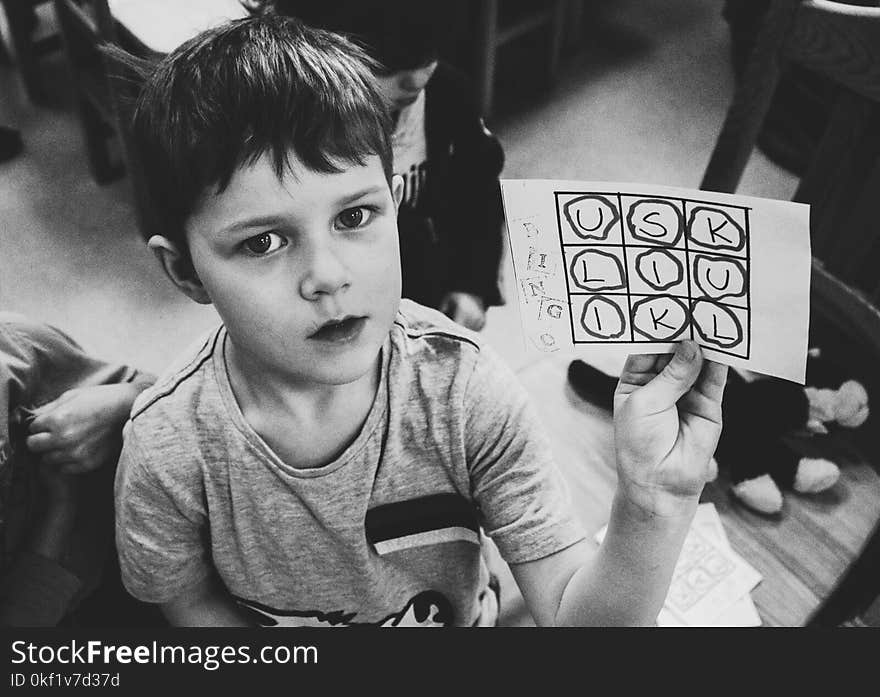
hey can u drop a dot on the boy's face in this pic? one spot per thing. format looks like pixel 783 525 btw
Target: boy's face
pixel 403 87
pixel 304 271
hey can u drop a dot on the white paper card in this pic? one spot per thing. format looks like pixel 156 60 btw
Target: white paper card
pixel 641 267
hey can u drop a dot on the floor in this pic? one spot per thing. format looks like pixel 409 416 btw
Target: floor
pixel 640 98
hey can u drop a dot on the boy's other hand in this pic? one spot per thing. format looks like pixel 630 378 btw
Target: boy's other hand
pixel 465 308
pixel 82 429
pixel 667 420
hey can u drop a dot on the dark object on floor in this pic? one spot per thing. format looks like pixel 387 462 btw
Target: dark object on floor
pixel 591 385
pixel 759 418
pixel 10 143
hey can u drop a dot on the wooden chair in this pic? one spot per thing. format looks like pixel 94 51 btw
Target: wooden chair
pixel 28 50
pixel 841 42
pixel 103 87
pixel 496 29
pixel 85 25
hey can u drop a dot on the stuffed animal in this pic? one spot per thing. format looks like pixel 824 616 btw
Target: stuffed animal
pixel 759 413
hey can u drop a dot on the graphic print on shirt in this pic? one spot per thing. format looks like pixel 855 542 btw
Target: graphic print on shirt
pixel 413 184
pixel 427 609
pixel 393 529
pixel 427 520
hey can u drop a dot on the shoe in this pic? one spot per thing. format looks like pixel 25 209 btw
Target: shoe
pixel 10 143
pixel 592 385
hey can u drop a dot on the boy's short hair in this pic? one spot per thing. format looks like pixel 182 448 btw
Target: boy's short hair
pixel 399 34
pixel 255 86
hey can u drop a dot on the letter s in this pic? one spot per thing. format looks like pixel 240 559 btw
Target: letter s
pixel 15 645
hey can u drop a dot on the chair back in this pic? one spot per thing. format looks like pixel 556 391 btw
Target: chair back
pixel 103 88
pixel 842 43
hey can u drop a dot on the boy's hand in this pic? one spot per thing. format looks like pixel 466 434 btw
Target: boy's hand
pixel 465 308
pixel 82 429
pixel 667 420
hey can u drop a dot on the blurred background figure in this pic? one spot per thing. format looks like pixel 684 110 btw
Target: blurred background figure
pixel 60 437
pixel 450 220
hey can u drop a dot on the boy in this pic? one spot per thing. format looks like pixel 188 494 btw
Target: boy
pixel 59 440
pixel 331 454
pixel 450 219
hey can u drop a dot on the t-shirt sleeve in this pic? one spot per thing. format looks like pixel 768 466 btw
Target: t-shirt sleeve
pixel 161 527
pixel 44 362
pixel 519 490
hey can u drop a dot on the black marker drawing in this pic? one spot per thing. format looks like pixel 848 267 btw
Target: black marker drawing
pixel 719 277
pixel 655 220
pixel 533 288
pixel 711 226
pixel 538 262
pixel 531 229
pixel 595 270
pixel 716 324
pixel 602 318
pixel 659 269
pixel 591 217
pixel 669 269
pixel 551 309
pixel 660 318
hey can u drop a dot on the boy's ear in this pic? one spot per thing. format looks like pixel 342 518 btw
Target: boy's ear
pixel 397 189
pixel 178 269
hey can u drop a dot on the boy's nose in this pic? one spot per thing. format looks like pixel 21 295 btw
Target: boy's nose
pixel 326 275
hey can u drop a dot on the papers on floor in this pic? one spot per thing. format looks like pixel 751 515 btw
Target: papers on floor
pixel 711 583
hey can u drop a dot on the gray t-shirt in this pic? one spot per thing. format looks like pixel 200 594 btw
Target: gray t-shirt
pixel 388 533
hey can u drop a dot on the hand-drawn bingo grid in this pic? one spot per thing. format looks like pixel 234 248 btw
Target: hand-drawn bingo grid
pixel 645 268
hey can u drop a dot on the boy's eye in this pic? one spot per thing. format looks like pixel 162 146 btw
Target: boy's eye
pixel 352 218
pixel 264 243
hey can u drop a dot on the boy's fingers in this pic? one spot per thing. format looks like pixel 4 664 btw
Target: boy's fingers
pixel 676 378
pixel 713 378
pixel 662 361
pixel 639 363
pixel 641 368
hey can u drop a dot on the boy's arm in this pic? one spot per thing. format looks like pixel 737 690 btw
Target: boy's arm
pixel 624 583
pixel 667 423
pixel 162 536
pixel 205 605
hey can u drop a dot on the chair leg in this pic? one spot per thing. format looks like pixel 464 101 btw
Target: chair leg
pixel 557 34
pixel 95 134
pixel 487 46
pixel 143 211
pixel 19 16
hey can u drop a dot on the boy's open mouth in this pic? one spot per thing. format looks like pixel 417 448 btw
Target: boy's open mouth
pixel 339 331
